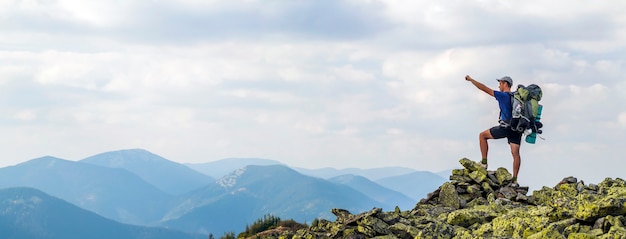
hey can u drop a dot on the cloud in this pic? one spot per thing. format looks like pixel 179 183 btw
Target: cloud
pixel 184 22
pixel 311 83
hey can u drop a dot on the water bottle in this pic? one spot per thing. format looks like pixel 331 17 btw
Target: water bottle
pixel 531 138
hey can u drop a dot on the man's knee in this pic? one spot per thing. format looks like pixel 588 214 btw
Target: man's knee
pixel 485 135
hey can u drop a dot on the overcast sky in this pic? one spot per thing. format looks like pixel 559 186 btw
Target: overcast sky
pixel 319 83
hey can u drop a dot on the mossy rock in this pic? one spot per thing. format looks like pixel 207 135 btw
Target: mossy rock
pixel 568 189
pixel 615 232
pixel 377 225
pixel 472 165
pixel 460 172
pixel 427 210
pixel 436 230
pixel 503 176
pixel 610 205
pixel 471 216
pixel 385 237
pixel 478 176
pixel 448 196
pixel 548 232
pixel 487 187
pixel 609 182
pixel 404 231
pixel 581 236
pixel 476 202
pixel 518 223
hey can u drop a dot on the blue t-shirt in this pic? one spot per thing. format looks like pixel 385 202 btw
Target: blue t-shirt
pixel 504 101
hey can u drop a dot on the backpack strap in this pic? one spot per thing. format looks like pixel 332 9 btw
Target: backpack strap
pixel 507 124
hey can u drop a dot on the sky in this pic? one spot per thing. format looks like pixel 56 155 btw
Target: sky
pixel 324 83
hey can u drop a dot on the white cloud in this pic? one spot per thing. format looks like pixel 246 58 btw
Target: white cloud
pixel 320 83
pixel 25 115
pixel 621 119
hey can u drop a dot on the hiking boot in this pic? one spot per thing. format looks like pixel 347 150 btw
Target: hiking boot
pixel 514 184
pixel 484 165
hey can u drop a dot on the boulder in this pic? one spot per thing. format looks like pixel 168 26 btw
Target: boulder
pixel 448 196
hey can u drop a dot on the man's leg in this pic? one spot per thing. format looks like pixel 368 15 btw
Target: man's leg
pixel 484 146
pixel 517 161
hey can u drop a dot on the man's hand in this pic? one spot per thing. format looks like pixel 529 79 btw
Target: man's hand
pixel 479 85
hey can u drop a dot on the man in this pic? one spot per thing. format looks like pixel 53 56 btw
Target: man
pixel 503 130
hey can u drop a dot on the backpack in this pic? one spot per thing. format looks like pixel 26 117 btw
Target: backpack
pixel 527 111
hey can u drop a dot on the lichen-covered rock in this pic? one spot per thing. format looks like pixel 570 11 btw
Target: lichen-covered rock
pixel 448 196
pixel 374 224
pixel 471 216
pixel 548 232
pixel 508 193
pixel 614 203
pixel 471 165
pixel 478 176
pixel 402 230
pixel 519 223
pixel 503 176
pixel 477 203
pixel 436 230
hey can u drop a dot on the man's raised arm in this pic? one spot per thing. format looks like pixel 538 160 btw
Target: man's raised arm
pixel 479 85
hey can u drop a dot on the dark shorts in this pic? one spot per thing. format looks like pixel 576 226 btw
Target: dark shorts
pixel 499 132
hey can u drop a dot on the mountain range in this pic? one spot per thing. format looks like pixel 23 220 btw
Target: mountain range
pixel 168 176
pixel 30 213
pixel 111 192
pixel 251 192
pixel 141 188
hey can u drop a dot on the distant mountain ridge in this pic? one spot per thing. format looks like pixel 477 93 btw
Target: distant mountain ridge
pixel 255 190
pixel 168 176
pixel 375 191
pixel 220 168
pixel 30 213
pixel 416 185
pixel 114 193
pixel 372 174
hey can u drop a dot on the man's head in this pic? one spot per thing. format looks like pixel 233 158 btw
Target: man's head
pixel 505 82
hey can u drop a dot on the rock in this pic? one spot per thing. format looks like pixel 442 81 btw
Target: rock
pixel 508 193
pixel 478 176
pixel 548 232
pixel 448 197
pixel 569 179
pixel 472 166
pixel 616 232
pixel 404 230
pixel 474 191
pixel 503 176
pixel 468 217
pixel 477 203
pixel 375 225
pixel 569 189
pixel 487 187
pixel 342 214
pixel 436 230
pixel 521 197
pixel 610 205
pixel 518 223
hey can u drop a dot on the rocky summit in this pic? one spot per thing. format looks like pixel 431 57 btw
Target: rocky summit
pixel 479 203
